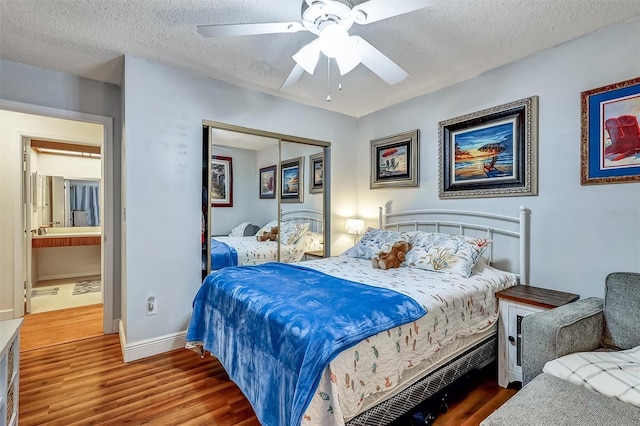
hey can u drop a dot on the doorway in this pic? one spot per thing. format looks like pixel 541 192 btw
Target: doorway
pixel 30 114
pixel 63 209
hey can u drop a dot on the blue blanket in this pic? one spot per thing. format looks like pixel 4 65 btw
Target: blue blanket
pixel 222 255
pixel 275 327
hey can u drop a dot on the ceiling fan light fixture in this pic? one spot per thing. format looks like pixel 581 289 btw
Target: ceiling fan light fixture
pixel 347 62
pixel 333 38
pixel 308 56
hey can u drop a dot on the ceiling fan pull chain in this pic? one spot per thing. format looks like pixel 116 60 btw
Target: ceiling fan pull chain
pixel 328 80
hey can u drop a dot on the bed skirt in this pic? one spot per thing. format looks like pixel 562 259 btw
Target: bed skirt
pixel 393 408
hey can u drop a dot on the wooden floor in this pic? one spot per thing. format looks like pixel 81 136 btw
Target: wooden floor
pixel 86 382
pixel 65 325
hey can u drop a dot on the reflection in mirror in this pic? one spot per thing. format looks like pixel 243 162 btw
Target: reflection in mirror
pixel 239 203
pixel 302 203
pixel 65 185
pixel 247 231
pixel 75 201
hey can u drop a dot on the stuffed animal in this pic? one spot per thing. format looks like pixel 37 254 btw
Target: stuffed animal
pixel 269 236
pixel 394 257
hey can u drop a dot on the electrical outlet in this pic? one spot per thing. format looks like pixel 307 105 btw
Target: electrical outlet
pixel 152 305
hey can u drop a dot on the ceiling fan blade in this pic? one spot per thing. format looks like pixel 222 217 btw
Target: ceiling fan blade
pixel 293 77
pixel 377 10
pixel 230 30
pixel 308 56
pixel 378 62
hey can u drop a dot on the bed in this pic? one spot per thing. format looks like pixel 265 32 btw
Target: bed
pixel 378 378
pixel 239 250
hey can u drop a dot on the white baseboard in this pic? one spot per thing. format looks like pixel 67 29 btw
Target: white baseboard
pixel 7 314
pixel 149 347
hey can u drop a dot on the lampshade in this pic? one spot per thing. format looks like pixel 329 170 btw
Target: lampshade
pixel 354 226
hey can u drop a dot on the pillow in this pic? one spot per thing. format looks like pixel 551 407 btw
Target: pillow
pixel 250 230
pixel 267 227
pixel 456 254
pixel 290 232
pixel 374 241
pixel 238 231
pixel 310 241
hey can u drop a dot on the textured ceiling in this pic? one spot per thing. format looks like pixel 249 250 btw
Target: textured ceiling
pixel 438 46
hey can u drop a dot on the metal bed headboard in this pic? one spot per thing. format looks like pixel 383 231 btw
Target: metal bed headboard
pixel 315 218
pixel 489 224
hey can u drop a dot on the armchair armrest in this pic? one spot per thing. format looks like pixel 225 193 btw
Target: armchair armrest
pixel 574 327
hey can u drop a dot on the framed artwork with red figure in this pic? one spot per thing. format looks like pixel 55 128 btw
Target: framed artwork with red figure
pixel 610 148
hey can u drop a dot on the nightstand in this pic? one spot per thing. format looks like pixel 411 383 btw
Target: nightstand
pixel 516 303
pixel 312 255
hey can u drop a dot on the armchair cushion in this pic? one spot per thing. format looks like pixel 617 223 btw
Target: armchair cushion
pixel 548 400
pixel 622 310
pixel 574 327
pixel 613 374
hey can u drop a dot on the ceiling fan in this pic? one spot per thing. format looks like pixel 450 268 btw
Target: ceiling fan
pixel 331 20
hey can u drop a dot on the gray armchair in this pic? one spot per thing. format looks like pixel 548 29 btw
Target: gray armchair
pixel 584 326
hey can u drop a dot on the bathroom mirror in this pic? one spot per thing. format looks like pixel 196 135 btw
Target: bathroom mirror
pixel 65 186
pixel 74 202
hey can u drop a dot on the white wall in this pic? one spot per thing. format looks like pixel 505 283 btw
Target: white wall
pixel 245 192
pixel 70 167
pixel 575 239
pixel 13 126
pixel 163 112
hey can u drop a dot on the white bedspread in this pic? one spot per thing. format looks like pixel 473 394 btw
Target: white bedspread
pixel 383 364
pixel 253 252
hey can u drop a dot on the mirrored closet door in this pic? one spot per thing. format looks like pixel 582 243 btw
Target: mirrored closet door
pixel 263 197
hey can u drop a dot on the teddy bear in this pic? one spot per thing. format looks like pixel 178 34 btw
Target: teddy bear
pixel 269 236
pixel 394 257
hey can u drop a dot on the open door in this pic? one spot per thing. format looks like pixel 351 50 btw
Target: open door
pixel 27 207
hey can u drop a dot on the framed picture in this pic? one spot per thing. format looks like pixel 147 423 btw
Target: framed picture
pixel 268 182
pixel 610 149
pixel 316 173
pixel 490 153
pixel 394 161
pixel 292 173
pixel 221 181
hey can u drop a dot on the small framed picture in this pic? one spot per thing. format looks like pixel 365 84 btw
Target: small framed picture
pixel 291 172
pixel 221 181
pixel 268 182
pixel 610 147
pixel 316 173
pixel 394 161
pixel 490 153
